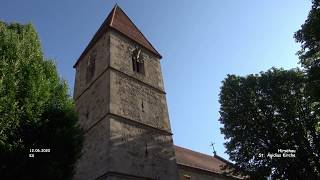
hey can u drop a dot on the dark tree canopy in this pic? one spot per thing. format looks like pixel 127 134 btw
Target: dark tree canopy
pixel 309 38
pixel 277 109
pixel 35 110
pixel 266 112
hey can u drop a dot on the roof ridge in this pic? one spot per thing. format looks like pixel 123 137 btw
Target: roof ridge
pixel 197 167
pixel 118 20
pixel 96 35
pixel 139 31
pixel 195 152
pixel 113 13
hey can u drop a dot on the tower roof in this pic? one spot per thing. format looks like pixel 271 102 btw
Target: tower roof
pixel 120 22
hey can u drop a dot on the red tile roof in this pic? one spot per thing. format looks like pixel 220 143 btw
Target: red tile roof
pixel 193 159
pixel 198 160
pixel 120 22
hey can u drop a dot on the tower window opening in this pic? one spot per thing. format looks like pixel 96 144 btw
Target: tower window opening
pixel 137 61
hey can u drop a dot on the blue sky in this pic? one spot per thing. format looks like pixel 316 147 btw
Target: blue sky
pixel 200 41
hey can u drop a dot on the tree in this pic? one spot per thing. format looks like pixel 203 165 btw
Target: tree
pixel 36 111
pixel 277 109
pixel 309 55
pixel 267 112
pixel 309 37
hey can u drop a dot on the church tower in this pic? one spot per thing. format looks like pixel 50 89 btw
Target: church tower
pixel 121 102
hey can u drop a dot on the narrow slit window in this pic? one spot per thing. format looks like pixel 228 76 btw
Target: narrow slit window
pixel 142 106
pixel 134 64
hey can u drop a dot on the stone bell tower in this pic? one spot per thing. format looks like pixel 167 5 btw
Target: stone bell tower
pixel 122 107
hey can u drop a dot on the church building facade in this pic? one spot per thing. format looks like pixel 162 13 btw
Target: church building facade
pixel 121 103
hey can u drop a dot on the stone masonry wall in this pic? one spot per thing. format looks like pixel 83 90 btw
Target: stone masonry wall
pixel 120 59
pixel 141 151
pixel 124 115
pixel 94 161
pixel 135 101
pixel 92 104
pixel 140 142
pixel 102 47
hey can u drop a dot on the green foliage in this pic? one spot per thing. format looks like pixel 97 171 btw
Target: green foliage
pixel 309 37
pixel 35 110
pixel 277 109
pixel 266 112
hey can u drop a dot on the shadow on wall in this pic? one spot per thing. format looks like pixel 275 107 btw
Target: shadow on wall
pixel 125 149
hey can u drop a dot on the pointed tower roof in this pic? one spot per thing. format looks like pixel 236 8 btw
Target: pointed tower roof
pixel 120 22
